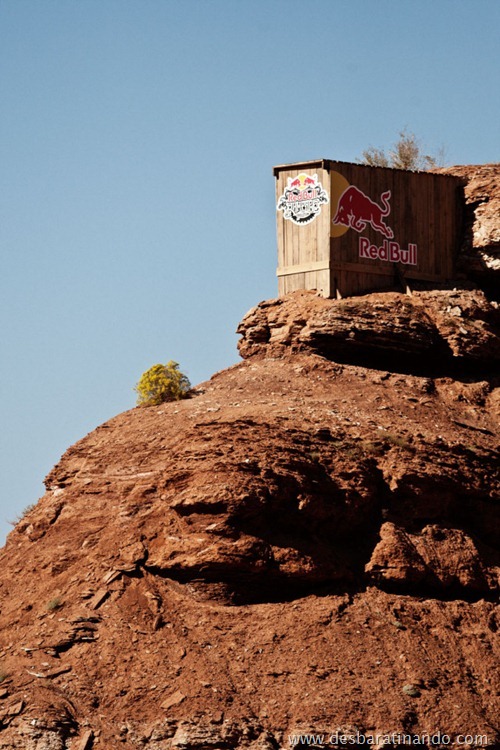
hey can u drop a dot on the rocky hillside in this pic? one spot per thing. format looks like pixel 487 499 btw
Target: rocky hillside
pixel 307 544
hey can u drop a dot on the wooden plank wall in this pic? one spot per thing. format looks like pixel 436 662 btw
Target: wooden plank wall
pixel 303 246
pixel 425 209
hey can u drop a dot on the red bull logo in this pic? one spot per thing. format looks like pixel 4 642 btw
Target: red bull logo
pixel 356 210
pixel 302 181
pixel 302 199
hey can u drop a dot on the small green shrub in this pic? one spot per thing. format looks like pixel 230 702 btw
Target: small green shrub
pixel 54 604
pixel 374 447
pixel 412 691
pixel 162 383
pixel 398 441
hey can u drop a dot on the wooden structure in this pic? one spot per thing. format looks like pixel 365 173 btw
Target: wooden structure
pixel 346 229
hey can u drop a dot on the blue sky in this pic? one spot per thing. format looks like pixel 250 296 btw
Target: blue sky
pixel 137 212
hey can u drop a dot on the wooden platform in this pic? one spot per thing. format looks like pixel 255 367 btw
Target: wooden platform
pixel 346 229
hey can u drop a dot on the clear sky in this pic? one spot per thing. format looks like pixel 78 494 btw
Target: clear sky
pixel 137 211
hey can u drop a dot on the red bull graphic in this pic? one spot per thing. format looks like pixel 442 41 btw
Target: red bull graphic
pixel 390 251
pixel 302 199
pixel 356 210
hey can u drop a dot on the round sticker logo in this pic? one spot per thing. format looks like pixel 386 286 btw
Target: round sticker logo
pixel 302 199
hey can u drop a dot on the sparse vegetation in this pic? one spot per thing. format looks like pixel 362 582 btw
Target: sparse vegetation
pixel 162 383
pixel 406 153
pixel 398 441
pixel 373 447
pixel 54 604
pixel 398 624
pixel 411 690
pixel 380 444
pixel 23 514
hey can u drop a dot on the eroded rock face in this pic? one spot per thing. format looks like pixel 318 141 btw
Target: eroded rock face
pixel 443 558
pixel 434 332
pixel 255 507
pixel 480 256
pixel 244 565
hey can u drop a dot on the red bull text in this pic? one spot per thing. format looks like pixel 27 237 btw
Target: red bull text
pixel 390 251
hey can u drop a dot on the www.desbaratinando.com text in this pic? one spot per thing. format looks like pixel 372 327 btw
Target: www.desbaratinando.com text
pixel 437 739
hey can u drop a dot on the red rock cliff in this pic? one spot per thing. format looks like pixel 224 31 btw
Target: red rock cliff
pixel 308 544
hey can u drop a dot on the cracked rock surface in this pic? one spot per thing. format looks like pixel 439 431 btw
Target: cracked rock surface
pixel 480 256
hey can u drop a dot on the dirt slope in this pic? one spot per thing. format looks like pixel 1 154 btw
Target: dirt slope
pixel 308 544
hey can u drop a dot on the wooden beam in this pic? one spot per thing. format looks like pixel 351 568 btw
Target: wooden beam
pixel 406 272
pixel 313 265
